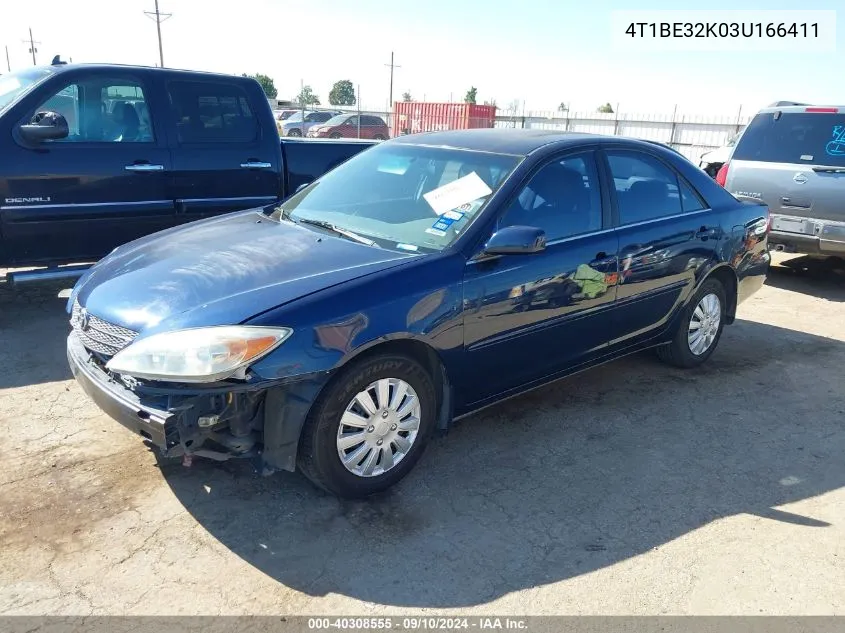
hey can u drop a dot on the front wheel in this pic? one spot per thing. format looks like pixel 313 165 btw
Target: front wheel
pixel 369 427
pixel 295 132
pixel 700 328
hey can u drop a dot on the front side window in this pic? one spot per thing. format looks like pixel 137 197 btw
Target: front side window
pixel 100 110
pixel 646 189
pixel 403 197
pixel 563 199
pixel 209 112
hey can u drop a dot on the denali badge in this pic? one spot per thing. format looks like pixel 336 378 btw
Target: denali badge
pixel 27 200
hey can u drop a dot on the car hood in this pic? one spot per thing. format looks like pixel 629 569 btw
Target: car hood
pixel 221 271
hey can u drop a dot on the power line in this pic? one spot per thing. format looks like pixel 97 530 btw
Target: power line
pixel 392 66
pixel 32 44
pixel 159 17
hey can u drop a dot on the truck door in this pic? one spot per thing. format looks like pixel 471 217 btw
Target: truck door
pixel 224 160
pixel 75 199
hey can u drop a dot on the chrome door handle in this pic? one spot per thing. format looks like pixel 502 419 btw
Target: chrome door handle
pixel 256 165
pixel 144 167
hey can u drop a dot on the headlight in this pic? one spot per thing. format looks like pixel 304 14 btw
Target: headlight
pixel 197 355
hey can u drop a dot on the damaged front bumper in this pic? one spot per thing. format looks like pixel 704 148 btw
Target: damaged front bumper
pixel 259 421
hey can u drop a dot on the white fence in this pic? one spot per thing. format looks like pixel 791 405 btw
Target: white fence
pixel 692 135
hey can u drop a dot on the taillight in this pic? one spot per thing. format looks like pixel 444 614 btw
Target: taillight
pixel 826 110
pixel 722 174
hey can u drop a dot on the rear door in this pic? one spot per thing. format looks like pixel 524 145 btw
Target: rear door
pixel 107 183
pixel 666 235
pixel 794 162
pixel 223 159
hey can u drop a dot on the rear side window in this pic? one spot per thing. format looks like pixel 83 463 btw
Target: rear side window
pixel 371 120
pixel 795 137
pixel 208 112
pixel 646 189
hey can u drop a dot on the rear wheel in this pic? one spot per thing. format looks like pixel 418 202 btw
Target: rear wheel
pixel 295 132
pixel 700 328
pixel 369 427
pixel 334 135
pixel 379 137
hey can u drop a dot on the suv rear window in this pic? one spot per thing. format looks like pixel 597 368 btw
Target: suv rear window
pixel 811 138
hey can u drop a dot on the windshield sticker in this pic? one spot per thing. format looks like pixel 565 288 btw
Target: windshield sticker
pixel 436 232
pixel 806 157
pixel 397 165
pixel 453 215
pixel 408 247
pixel 456 193
pixel 836 147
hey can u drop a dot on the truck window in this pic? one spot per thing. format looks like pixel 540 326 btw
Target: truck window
pixel 101 110
pixel 212 112
pixel 812 138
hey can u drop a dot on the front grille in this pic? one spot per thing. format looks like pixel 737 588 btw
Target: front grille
pixel 100 336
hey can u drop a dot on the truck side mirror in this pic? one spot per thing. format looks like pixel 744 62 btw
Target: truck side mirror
pixel 45 126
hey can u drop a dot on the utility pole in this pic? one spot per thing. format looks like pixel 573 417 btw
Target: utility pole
pixel 392 66
pixel 32 48
pixel 8 63
pixel 159 18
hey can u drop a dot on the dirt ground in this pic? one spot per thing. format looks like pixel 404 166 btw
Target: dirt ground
pixel 633 488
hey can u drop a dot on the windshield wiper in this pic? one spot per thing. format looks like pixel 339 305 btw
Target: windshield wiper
pixel 340 231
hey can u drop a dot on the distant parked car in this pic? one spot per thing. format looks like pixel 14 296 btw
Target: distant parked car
pixel 294 125
pixel 792 158
pixel 713 160
pixel 346 126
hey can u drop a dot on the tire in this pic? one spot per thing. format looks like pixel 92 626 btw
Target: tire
pixel 679 351
pixel 319 455
pixel 334 135
pixel 378 137
pixel 295 132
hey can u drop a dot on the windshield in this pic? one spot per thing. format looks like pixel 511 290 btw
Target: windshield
pixel 337 120
pixel 15 84
pixel 404 197
pixel 795 137
pixel 295 117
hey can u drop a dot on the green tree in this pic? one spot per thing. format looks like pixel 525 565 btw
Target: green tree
pixel 266 84
pixel 342 93
pixel 406 96
pixel 471 94
pixel 605 109
pixel 307 97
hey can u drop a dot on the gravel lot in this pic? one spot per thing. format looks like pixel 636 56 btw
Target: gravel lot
pixel 633 488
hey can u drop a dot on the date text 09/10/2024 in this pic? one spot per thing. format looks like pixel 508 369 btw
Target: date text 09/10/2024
pixel 416 624
pixel 723 29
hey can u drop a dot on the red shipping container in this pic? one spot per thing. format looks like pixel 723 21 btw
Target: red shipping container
pixel 412 117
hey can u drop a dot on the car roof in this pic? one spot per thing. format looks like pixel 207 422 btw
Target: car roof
pixel 519 142
pixel 59 68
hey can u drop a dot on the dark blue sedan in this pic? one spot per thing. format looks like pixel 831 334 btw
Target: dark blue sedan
pixel 425 278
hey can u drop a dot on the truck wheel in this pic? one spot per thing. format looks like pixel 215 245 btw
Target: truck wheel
pixel 700 329
pixel 369 426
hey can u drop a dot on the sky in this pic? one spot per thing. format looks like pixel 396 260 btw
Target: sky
pixel 537 52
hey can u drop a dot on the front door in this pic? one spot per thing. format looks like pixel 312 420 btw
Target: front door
pixel 666 235
pixel 106 184
pixel 223 160
pixel 530 316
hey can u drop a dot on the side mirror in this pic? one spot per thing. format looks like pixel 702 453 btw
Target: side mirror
pixel 45 126
pixel 516 240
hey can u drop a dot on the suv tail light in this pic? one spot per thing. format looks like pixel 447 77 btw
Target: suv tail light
pixel 827 110
pixel 722 174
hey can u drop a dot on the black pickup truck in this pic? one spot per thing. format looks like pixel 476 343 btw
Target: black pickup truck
pixel 94 156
